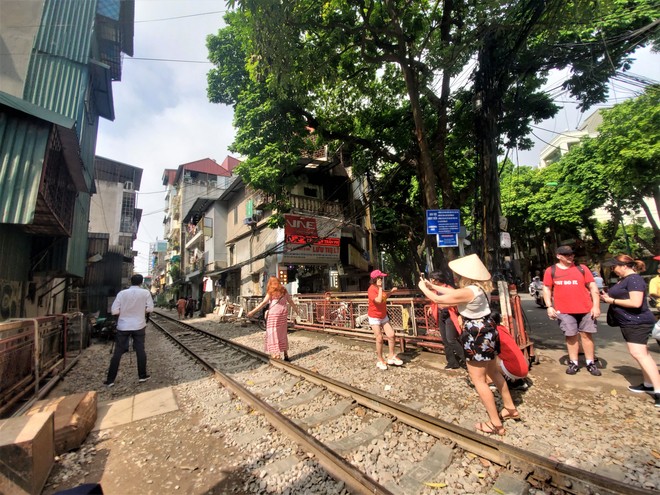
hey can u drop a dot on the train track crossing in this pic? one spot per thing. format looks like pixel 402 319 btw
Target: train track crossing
pixel 277 390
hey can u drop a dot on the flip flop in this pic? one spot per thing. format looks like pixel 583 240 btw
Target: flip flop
pixel 490 428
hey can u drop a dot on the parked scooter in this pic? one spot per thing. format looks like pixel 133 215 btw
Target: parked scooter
pixel 536 291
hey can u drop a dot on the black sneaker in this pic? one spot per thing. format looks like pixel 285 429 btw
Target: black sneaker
pixel 657 400
pixel 572 368
pixel 641 388
pixel 593 369
pixel 142 380
pixel 109 384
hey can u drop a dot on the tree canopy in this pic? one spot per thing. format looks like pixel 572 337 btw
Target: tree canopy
pixel 378 79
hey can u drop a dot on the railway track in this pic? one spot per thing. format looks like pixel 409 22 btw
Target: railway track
pixel 275 389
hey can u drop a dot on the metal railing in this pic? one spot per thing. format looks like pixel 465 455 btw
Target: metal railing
pixel 33 350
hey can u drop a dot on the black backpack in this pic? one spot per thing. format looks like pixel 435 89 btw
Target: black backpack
pixel 554 267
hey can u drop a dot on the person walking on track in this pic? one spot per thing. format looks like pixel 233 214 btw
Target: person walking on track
pixel 132 306
pixel 572 298
pixel 181 307
pixel 379 321
pixel 278 299
pixel 479 336
pixel 629 311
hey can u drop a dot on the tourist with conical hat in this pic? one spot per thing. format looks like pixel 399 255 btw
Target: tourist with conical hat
pixel 479 335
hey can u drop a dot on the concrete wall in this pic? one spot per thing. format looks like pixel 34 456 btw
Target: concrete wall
pixel 19 22
pixel 105 209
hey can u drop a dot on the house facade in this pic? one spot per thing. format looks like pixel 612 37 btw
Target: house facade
pixel 230 251
pixel 55 85
pixel 113 225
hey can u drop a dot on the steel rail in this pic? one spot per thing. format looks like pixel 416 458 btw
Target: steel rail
pixel 333 463
pixel 560 475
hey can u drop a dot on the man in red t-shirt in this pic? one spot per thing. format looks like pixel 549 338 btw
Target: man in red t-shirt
pixel 576 306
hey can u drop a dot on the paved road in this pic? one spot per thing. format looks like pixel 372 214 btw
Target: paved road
pixel 618 367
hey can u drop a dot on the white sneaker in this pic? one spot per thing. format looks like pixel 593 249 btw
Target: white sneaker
pixel 394 361
pixel 381 365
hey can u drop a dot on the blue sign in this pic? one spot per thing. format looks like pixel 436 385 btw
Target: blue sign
pixel 447 240
pixel 443 222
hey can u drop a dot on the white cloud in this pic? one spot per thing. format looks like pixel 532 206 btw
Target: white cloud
pixel 162 115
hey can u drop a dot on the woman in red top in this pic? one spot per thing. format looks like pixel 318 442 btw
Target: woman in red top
pixel 377 312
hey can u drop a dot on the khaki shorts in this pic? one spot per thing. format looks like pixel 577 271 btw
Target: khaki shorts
pixel 573 323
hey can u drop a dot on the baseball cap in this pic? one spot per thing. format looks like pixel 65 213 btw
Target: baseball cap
pixel 564 250
pixel 378 273
pixel 615 262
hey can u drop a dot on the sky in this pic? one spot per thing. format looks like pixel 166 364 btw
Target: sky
pixel 163 118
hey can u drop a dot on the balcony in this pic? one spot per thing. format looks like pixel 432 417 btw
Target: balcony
pixel 311 206
pixel 194 266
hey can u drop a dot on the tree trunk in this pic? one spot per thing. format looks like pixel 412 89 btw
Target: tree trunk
pixel 487 109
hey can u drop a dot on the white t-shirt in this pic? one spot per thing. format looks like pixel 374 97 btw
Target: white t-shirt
pixel 131 305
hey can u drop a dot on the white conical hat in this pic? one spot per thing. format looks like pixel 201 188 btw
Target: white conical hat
pixel 470 266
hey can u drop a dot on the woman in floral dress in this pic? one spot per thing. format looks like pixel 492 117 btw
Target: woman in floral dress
pixel 479 336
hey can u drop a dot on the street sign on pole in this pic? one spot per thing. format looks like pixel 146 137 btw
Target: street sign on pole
pixel 447 240
pixel 443 222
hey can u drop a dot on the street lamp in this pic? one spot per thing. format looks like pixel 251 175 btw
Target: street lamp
pixel 623 227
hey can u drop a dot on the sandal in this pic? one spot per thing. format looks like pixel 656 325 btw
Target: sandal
pixel 511 414
pixel 490 428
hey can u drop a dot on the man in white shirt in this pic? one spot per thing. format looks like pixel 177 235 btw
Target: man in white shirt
pixel 131 305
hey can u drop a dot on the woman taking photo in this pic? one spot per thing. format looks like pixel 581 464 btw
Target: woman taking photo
pixel 479 336
pixel 277 342
pixel 379 321
pixel 628 310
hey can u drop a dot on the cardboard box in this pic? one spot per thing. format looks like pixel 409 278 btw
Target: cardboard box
pixel 74 418
pixel 27 451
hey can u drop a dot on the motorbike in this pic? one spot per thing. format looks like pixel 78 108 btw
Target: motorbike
pixel 536 291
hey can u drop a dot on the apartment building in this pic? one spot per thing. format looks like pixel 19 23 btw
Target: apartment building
pixel 55 85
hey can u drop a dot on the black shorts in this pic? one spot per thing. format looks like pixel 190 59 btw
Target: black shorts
pixel 637 334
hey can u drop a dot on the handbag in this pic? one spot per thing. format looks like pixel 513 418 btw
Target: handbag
pixel 655 333
pixel 611 319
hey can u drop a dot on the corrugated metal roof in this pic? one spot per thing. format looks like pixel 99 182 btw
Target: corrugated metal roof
pixel 20 130
pixel 77 246
pixel 23 145
pixel 205 166
pixel 66 29
pixel 57 84
pixel 114 171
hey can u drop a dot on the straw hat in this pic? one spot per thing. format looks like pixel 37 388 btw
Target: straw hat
pixel 470 267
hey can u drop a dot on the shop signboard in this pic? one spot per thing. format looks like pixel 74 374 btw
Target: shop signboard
pixel 310 240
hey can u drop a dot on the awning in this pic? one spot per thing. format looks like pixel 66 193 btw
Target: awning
pixel 66 130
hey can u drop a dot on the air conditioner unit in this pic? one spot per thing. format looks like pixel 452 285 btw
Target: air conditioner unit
pixel 249 221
